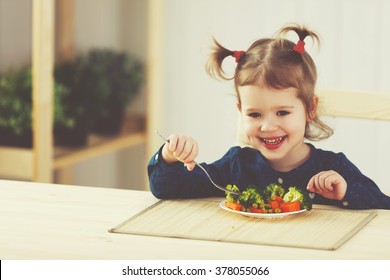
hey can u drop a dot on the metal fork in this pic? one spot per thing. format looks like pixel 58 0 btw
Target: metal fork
pixel 204 170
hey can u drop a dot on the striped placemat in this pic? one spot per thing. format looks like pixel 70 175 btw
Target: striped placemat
pixel 325 229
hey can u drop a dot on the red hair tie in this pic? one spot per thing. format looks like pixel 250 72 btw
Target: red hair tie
pixel 237 55
pixel 299 47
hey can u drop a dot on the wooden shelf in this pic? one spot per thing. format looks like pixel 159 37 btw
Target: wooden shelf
pixel 132 134
pixel 67 157
pixel 16 163
pixel 19 162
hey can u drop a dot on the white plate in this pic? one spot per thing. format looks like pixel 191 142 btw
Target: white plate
pixel 259 215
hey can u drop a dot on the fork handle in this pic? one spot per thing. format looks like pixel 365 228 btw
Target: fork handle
pixel 216 185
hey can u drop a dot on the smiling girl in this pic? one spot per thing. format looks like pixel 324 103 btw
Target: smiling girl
pixel 274 81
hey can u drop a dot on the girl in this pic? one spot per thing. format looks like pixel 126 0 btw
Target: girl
pixel 274 81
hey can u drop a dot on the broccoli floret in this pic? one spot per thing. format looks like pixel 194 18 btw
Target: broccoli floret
pixel 293 194
pixel 230 196
pixel 272 190
pixel 306 202
pixel 251 196
pixel 302 196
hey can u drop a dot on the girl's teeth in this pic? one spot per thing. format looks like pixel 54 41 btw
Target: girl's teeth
pixel 273 140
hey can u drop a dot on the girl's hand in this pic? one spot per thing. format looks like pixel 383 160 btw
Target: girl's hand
pixel 181 148
pixel 329 184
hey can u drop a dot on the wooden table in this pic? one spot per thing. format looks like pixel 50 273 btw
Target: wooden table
pixel 48 221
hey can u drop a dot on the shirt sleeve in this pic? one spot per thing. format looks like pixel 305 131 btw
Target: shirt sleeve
pixel 362 192
pixel 170 181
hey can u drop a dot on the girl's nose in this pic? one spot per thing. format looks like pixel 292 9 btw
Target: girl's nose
pixel 268 124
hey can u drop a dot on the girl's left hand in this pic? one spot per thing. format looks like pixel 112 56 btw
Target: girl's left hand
pixel 329 184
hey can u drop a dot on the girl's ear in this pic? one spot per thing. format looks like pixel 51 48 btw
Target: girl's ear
pixel 312 110
pixel 239 106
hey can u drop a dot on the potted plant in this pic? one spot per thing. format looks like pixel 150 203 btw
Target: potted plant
pixel 16 108
pixel 83 84
pixel 101 84
pixel 123 76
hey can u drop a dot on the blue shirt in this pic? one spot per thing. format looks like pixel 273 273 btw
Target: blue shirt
pixel 246 166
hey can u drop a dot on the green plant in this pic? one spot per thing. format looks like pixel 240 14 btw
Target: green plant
pixel 123 72
pixel 101 84
pixel 123 76
pixel 86 89
pixel 16 102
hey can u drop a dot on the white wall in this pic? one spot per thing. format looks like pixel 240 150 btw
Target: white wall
pixel 353 56
pixel 15 42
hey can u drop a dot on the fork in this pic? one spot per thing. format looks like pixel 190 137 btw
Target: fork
pixel 202 168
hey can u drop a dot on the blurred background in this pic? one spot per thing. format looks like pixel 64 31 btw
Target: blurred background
pixel 169 41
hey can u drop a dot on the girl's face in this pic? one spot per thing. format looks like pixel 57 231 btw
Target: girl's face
pixel 274 121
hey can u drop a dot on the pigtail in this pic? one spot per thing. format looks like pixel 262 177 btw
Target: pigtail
pixel 302 32
pixel 214 64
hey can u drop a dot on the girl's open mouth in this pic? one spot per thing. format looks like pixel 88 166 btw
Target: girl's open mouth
pixel 273 143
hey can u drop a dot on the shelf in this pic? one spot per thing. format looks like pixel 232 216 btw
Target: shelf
pixel 65 157
pixel 16 163
pixel 19 161
pixel 132 134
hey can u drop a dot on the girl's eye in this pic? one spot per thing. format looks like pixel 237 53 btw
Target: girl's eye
pixel 254 115
pixel 282 113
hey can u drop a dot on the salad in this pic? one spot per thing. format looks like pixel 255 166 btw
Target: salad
pixel 273 199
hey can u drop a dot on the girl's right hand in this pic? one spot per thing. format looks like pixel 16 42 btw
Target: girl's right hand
pixel 181 148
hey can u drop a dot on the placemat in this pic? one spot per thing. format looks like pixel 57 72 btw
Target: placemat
pixel 325 229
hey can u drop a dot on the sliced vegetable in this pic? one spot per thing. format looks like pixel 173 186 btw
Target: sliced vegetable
pixel 274 204
pixel 233 205
pixel 278 199
pixel 290 206
pixel 256 210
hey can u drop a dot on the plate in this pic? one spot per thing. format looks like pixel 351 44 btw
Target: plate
pixel 259 215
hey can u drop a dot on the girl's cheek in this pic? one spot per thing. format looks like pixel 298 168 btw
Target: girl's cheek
pixel 250 128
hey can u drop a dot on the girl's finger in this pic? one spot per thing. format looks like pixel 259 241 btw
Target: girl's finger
pixel 191 153
pixel 329 178
pixel 323 181
pixel 186 151
pixel 310 186
pixel 317 183
pixel 190 166
pixel 329 181
pixel 172 143
pixel 179 147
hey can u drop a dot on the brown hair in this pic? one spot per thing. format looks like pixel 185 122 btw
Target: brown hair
pixel 274 62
